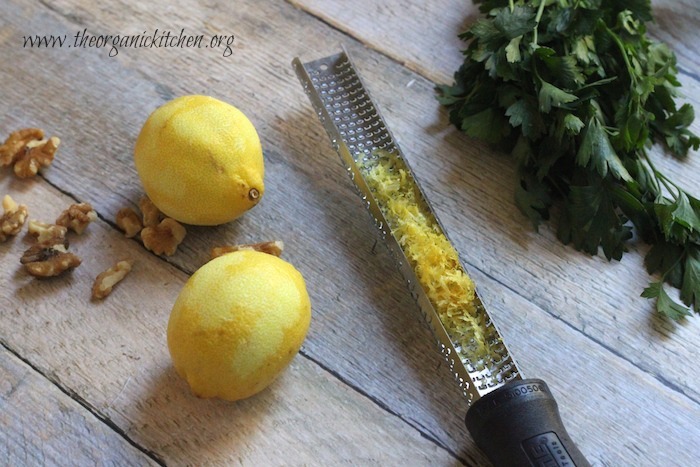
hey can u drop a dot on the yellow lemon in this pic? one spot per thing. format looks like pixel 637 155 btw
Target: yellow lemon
pixel 237 323
pixel 200 160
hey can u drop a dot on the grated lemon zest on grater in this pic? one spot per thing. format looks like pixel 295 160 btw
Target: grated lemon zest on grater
pixel 432 256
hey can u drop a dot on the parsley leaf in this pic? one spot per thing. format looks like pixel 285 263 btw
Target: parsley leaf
pixel 595 221
pixel 532 198
pixel 573 124
pixel 664 303
pixel 577 92
pixel 690 289
pixel 515 22
pixel 523 113
pixel 551 96
pixel 487 125
pixel 678 219
pixel 597 150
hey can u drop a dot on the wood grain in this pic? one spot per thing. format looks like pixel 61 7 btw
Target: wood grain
pixel 617 317
pixel 112 355
pixel 422 36
pixel 43 426
pixel 427 41
pixel 574 320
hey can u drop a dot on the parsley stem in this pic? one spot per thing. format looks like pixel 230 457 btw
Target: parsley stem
pixel 540 10
pixel 623 52
pixel 671 187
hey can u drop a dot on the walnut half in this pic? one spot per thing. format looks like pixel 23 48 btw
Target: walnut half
pixel 151 214
pixel 13 219
pixel 47 234
pixel 49 261
pixel 16 144
pixel 129 221
pixel 37 154
pixel 165 237
pixel 77 217
pixel 272 248
pixel 106 280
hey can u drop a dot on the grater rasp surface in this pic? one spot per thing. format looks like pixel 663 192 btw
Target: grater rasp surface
pixel 357 131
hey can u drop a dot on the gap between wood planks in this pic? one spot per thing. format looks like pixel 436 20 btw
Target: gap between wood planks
pixel 421 429
pixel 167 94
pixel 414 69
pixel 407 64
pixel 86 405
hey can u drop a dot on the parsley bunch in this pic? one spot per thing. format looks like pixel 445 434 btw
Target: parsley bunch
pixel 577 92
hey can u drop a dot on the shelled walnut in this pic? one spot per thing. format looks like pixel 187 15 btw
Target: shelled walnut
pixel 129 221
pixel 165 237
pixel 13 219
pixel 272 248
pixel 106 280
pixel 37 154
pixel 49 256
pixel 77 217
pixel 28 151
pixel 47 233
pixel 42 260
pixel 16 144
pixel 151 214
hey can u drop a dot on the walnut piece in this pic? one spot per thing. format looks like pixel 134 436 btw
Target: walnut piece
pixel 48 261
pixel 151 214
pixel 272 248
pixel 163 238
pixel 77 217
pixel 129 221
pixel 16 144
pixel 49 256
pixel 106 280
pixel 39 252
pixel 13 219
pixel 37 154
pixel 47 234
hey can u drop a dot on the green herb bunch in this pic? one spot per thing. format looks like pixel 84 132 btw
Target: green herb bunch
pixel 577 92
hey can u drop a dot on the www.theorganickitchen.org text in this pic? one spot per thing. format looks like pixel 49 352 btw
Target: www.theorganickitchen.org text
pixel 146 40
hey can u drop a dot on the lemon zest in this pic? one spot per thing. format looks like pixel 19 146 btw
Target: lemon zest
pixel 433 258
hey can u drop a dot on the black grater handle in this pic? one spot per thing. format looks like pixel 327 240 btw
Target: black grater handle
pixel 519 425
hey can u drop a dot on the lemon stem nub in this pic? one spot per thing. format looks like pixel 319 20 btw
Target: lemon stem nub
pixel 253 194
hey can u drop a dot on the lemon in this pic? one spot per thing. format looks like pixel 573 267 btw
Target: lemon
pixel 237 323
pixel 200 160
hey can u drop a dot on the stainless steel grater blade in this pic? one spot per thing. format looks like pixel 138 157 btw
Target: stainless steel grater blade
pixel 357 130
pixel 515 421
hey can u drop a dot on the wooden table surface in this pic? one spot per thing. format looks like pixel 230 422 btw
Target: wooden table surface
pixel 85 383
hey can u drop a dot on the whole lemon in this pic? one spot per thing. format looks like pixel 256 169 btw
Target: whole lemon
pixel 237 323
pixel 200 160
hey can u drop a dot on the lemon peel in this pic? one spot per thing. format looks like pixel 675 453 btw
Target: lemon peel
pixel 200 160
pixel 237 324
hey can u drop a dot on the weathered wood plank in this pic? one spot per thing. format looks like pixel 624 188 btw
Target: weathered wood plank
pixel 617 413
pixel 423 36
pixel 362 305
pixel 320 237
pixel 40 425
pixel 113 355
pixel 675 23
